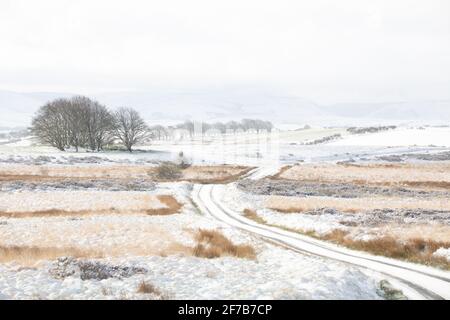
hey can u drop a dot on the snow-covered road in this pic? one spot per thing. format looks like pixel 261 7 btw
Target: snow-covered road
pixel 416 281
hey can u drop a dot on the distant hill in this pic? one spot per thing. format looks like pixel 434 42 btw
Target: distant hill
pixel 171 106
pixel 416 111
pixel 16 109
pixel 216 105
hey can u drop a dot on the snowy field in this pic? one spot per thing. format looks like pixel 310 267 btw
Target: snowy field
pixel 99 225
pixel 159 247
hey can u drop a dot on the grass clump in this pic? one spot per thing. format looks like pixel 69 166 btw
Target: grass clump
pixel 172 206
pixel 252 215
pixel 414 250
pixel 169 171
pixel 213 244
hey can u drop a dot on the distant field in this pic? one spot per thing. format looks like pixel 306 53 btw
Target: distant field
pixel 426 175
pixel 400 210
pixel 206 174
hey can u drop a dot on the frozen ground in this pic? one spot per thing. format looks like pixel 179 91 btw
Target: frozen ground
pixel 284 147
pixel 401 137
pixel 407 202
pixel 181 277
pixel 122 249
pixel 158 247
pixel 154 245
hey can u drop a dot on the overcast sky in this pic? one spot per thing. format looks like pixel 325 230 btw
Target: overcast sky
pixel 327 51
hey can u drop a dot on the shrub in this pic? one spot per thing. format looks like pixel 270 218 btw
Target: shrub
pixel 168 171
pixel 213 244
pixel 145 287
pixel 252 215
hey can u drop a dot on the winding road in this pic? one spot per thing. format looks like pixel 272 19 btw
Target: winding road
pixel 417 281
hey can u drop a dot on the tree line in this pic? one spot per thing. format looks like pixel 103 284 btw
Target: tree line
pixel 245 125
pixel 80 122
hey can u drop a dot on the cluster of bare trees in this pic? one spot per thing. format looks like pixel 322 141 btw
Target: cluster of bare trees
pixel 246 125
pixel 80 122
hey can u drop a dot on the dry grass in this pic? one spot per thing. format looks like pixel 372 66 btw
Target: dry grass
pixel 48 213
pixel 148 288
pixel 286 204
pixel 172 206
pixel 404 232
pixel 196 174
pixel 215 174
pixel 419 250
pixel 28 255
pixel 26 177
pixel 168 171
pixel 252 215
pixel 85 203
pixel 427 175
pixel 112 236
pixel 21 172
pixel 281 172
pixel 414 250
pixel 428 184
pixel 213 244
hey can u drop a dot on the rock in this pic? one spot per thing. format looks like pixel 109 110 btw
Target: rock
pixel 387 291
pixel 88 270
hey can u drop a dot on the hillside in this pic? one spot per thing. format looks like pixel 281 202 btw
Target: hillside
pixel 171 106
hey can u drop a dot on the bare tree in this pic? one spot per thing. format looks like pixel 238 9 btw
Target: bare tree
pixel 268 126
pixel 105 130
pixel 77 122
pixel 159 131
pixel 188 126
pixel 233 126
pixel 100 126
pixel 130 128
pixel 50 124
pixel 77 112
pixel 219 126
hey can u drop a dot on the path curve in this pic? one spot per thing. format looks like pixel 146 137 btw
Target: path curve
pixel 420 282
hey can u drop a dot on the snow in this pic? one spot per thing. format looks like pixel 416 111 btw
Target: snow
pixel 24 201
pixel 149 241
pixel 138 240
pixel 279 147
pixel 209 198
pixel 181 277
pixel 400 137
pixel 443 252
pixel 239 201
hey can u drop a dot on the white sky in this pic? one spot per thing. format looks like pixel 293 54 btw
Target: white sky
pixel 327 51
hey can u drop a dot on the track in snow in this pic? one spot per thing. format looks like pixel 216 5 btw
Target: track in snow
pixel 420 281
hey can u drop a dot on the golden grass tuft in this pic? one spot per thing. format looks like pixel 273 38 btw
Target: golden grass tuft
pixel 29 255
pixel 428 184
pixel 215 175
pixel 418 175
pixel 253 215
pixel 280 173
pixel 196 174
pixel 48 213
pixel 287 204
pixel 213 244
pixel 173 206
pixel 148 288
pixel 414 250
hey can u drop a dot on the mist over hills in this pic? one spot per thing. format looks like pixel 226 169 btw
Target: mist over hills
pixel 173 106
